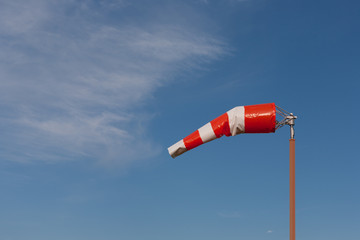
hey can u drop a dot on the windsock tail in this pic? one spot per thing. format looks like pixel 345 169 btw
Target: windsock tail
pixel 243 119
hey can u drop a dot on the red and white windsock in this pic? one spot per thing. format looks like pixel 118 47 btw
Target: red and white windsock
pixel 259 118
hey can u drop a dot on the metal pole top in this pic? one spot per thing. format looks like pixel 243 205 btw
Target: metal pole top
pixel 291 122
pixel 288 119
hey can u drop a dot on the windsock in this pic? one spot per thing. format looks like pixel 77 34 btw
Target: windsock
pixel 259 118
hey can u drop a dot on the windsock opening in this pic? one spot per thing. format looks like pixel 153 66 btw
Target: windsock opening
pixel 259 118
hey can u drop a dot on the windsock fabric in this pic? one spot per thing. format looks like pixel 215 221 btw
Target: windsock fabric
pixel 259 118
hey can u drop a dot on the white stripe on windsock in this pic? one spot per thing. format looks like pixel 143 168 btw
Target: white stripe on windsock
pixel 177 149
pixel 236 120
pixel 207 133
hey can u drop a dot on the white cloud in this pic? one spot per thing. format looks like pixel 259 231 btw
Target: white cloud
pixel 18 16
pixel 269 231
pixel 70 85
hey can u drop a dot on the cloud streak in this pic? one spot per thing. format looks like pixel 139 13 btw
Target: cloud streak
pixel 72 87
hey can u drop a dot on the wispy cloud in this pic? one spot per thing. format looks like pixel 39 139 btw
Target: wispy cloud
pixel 72 86
pixel 20 16
pixel 269 231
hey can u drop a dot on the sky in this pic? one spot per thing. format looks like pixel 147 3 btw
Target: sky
pixel 92 93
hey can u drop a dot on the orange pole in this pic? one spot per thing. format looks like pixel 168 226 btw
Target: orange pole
pixel 292 187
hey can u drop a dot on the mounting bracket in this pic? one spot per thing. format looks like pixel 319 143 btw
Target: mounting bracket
pixel 288 119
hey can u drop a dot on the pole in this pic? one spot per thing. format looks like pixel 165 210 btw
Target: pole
pixel 292 187
pixel 290 120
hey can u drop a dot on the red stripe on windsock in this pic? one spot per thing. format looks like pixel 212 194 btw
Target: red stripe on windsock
pixel 220 125
pixel 193 140
pixel 260 118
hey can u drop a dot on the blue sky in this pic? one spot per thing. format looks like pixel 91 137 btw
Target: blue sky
pixel 93 92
